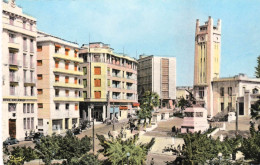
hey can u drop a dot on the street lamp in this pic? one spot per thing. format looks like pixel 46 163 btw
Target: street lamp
pixel 219 157
pixel 128 155
pixel 93 133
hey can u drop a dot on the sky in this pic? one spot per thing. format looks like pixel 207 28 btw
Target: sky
pixel 156 27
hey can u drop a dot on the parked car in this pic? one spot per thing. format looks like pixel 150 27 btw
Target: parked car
pixel 76 131
pixel 10 141
pixel 37 137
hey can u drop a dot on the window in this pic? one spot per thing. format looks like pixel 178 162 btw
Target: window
pixel 31 62
pixel 255 91
pixel 230 91
pixel 25 91
pixel 57 124
pixel 32 108
pixel 32 91
pixel 84 70
pixel 24 60
pixel 11 20
pixel 67 51
pixel 75 80
pixel 11 107
pixel 222 107
pixel 39 48
pixel 24 123
pixel 40 105
pixel 75 53
pixel 67 106
pixel 67 93
pixel 75 67
pixel 31 25
pixel 108 83
pixel 97 94
pixel 57 78
pixel 57 106
pixel 97 70
pixel 39 62
pixel 66 65
pixel 11 38
pixel 229 107
pixel 56 64
pixel 39 91
pixel 24 44
pixel 12 90
pixel 28 123
pixel 57 91
pixel 201 92
pixel 28 108
pixel 32 123
pixel 76 93
pixel 85 83
pixel 31 45
pixel 24 24
pixel 84 94
pixel 222 91
pixel 76 107
pixel 40 122
pixel 97 82
pixel 39 76
pixel 24 75
pixel 67 79
pixel 24 108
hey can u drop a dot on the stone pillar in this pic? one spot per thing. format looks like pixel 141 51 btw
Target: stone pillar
pixel 108 111
pixel 89 114
pixel 84 114
pixel 104 112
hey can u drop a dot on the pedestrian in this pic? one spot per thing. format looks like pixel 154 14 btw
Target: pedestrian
pixel 152 162
pixel 26 134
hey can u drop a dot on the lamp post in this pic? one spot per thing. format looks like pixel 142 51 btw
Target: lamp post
pixel 219 157
pixel 237 107
pixel 93 133
pixel 128 155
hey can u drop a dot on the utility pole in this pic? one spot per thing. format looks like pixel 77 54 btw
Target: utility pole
pixel 237 117
pixel 93 132
pixel 113 116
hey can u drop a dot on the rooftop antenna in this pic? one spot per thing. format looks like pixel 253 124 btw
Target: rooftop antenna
pixel 88 42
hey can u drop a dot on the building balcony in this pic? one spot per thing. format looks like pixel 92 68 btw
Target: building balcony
pixel 116 86
pixel 19 30
pixel 67 85
pixel 114 97
pixel 116 75
pixel 65 99
pixel 59 70
pixel 70 58
pixel 13 65
pixel 17 97
pixel 32 66
pixel 30 82
pixel 13 45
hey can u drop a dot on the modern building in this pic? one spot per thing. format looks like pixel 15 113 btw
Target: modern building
pixel 19 110
pixel 158 74
pixel 183 92
pixel 206 61
pixel 58 84
pixel 109 81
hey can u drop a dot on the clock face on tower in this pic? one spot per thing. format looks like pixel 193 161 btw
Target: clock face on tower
pixel 13 3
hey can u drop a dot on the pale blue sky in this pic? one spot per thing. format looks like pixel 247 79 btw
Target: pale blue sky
pixel 158 27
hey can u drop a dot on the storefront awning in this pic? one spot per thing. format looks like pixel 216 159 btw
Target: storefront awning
pixel 123 108
pixel 136 104
pixel 116 109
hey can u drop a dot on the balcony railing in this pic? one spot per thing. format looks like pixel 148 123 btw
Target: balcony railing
pixel 32 65
pixel 115 75
pixel 129 87
pixel 130 98
pixel 116 86
pixel 115 97
pixel 30 80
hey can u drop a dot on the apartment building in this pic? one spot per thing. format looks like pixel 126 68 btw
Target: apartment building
pixel 59 86
pixel 158 74
pixel 109 81
pixel 19 110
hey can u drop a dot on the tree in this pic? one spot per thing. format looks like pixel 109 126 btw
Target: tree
pixel 86 159
pixel 257 68
pixel 255 110
pixel 116 150
pixel 199 148
pixel 27 153
pixel 183 103
pixel 149 101
pixel 251 145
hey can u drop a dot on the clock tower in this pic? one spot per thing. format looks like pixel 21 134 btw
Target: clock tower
pixel 206 61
